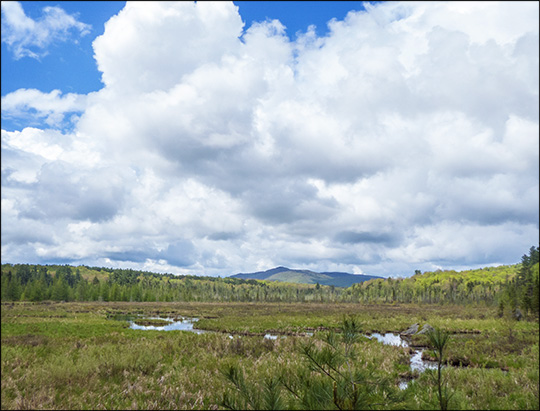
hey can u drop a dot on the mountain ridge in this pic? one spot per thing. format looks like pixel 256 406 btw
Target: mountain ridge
pixel 291 275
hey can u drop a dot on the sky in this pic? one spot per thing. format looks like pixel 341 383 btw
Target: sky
pixel 215 138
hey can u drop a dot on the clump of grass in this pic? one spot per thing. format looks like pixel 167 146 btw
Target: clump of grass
pixel 154 322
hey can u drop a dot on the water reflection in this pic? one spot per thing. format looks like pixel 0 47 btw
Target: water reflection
pixel 403 385
pixel 187 324
pixel 184 324
pixel 270 337
pixel 416 361
pixel 390 339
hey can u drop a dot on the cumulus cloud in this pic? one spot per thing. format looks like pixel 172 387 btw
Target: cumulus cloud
pixel 169 39
pixel 26 37
pixel 406 138
pixel 33 105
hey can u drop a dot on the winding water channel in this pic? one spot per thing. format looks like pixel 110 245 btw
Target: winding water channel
pixel 417 363
pixel 188 324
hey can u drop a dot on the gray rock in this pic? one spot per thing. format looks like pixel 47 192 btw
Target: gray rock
pixel 517 314
pixel 425 329
pixel 413 329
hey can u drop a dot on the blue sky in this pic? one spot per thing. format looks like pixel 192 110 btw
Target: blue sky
pixel 70 66
pixel 216 138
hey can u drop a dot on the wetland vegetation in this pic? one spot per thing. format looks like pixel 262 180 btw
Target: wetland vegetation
pixel 75 355
pixel 323 351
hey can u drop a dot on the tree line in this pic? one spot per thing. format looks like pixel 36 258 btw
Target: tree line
pixel 508 287
pixel 523 290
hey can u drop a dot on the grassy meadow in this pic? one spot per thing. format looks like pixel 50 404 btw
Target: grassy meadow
pixel 76 355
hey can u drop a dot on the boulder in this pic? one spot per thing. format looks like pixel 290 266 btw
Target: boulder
pixel 413 329
pixel 425 329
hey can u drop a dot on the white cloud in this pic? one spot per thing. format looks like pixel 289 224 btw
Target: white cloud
pixel 32 104
pixel 407 138
pixel 27 37
pixel 151 45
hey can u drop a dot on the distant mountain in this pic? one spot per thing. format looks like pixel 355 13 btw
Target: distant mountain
pixel 289 275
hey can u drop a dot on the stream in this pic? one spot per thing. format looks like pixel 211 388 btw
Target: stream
pixel 417 363
pixel 416 358
pixel 187 324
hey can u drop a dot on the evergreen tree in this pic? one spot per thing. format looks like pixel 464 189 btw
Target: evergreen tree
pixel 24 274
pixel 330 378
pixel 14 289
pixel 439 340
pixel 59 291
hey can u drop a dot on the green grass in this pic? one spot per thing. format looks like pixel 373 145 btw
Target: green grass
pixel 78 356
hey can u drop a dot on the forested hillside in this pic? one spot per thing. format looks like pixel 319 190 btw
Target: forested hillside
pixel 508 287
